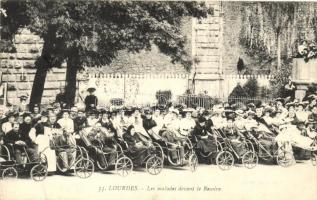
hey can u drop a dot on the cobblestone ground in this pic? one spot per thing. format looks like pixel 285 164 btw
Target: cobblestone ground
pixel 208 182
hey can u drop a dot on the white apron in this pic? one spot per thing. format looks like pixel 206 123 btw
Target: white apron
pixel 43 142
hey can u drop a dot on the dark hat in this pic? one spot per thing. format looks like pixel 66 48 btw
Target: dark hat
pixel 148 112
pixel 251 105
pixel 36 105
pixel 91 89
pixel 259 104
pixel 280 100
pixel 105 112
pixel 231 116
pixel 26 114
pixel 44 113
pixel 290 104
pixel 12 114
pixel 65 110
pixel 205 113
pixel 311 121
pixel 201 119
pixel 92 112
pixel 23 97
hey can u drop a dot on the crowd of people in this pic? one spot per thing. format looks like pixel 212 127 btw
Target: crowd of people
pixel 139 126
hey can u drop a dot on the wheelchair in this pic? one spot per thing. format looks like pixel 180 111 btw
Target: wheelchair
pixel 150 157
pixel 97 150
pixel 274 153
pixel 188 157
pixel 230 154
pixel 82 165
pixel 208 157
pixel 10 168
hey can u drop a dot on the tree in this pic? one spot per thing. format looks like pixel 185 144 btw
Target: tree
pixel 238 91
pixel 90 33
pixel 279 13
pixel 251 87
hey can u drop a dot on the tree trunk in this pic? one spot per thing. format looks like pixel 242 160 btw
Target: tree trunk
pixel 278 51
pixel 38 86
pixel 71 76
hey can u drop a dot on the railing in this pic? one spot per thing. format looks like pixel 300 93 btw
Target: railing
pixel 196 101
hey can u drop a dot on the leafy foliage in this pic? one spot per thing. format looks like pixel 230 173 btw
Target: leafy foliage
pixel 99 29
pixel 91 33
pixel 238 91
pixel 249 90
pixel 262 24
pixel 280 78
pixel 251 87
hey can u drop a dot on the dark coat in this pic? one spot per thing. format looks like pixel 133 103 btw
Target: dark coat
pixel 91 102
pixel 80 123
pixel 148 124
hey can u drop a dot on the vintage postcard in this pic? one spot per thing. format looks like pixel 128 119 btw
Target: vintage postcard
pixel 158 100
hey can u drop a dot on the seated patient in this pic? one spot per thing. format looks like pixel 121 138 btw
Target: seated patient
pixel 16 139
pixel 137 143
pixel 66 149
pixel 234 135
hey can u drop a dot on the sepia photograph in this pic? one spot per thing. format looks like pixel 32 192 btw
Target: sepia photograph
pixel 158 100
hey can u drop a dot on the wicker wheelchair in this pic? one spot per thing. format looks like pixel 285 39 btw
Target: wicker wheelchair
pixel 81 164
pixel 151 157
pixel 10 168
pixel 206 156
pixel 267 149
pixel 230 154
pixel 103 149
pixel 178 155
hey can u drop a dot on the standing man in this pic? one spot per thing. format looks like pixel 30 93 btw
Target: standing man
pixel 91 101
pixel 61 98
pixel 23 106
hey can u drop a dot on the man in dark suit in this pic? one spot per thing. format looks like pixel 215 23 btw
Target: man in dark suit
pixel 61 98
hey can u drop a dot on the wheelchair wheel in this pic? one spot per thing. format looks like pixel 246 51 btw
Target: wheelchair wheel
pixel 285 159
pixel 154 165
pixel 193 162
pixel 100 166
pixel 84 153
pixel 124 166
pixel 313 159
pixel 158 150
pixel 9 172
pixel 59 164
pixel 250 160
pixel 249 146
pixel 187 150
pixel 5 153
pixel 225 160
pixel 38 172
pixel 84 168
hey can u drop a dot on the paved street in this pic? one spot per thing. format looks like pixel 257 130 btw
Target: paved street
pixel 266 182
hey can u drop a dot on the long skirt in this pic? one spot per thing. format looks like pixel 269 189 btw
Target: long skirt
pixel 207 145
pixel 43 146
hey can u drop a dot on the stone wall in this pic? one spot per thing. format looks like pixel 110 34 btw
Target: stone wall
pixel 18 69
